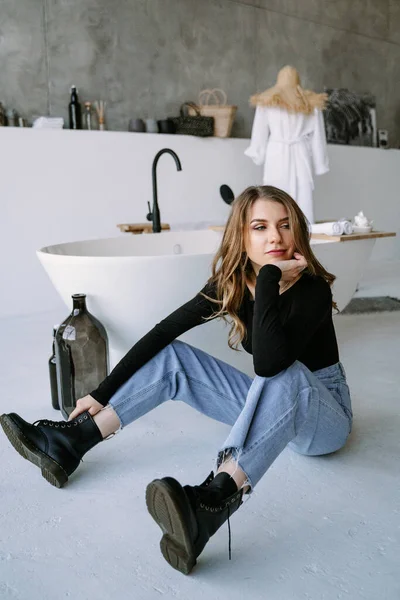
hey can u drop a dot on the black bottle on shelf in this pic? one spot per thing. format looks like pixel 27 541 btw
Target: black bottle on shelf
pixel 81 346
pixel 75 111
pixel 53 374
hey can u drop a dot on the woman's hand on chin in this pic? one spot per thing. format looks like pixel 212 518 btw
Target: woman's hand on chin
pixel 291 268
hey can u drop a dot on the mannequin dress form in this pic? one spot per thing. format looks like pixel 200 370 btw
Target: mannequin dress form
pixel 288 138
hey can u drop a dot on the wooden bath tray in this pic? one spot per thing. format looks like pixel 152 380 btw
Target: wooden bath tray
pixel 336 238
pixel 140 227
pixel 352 236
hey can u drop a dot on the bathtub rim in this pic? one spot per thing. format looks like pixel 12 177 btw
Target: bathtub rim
pixel 212 235
pixel 46 253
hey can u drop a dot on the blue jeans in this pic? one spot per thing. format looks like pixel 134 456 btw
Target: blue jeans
pixel 308 411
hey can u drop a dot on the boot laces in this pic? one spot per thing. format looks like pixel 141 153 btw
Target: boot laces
pixel 225 504
pixel 229 534
pixel 62 424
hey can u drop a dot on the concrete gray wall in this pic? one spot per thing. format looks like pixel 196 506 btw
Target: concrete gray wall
pixel 144 57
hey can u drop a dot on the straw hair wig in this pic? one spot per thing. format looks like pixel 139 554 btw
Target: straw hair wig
pixel 288 94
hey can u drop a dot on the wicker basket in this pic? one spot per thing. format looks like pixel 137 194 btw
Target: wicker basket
pixel 223 113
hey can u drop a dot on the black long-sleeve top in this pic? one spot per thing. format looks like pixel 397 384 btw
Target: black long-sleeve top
pixel 281 328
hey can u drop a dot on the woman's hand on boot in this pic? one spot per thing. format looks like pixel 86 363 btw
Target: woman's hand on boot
pixel 87 403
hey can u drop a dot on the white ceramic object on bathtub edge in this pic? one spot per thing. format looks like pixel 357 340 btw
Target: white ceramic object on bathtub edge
pixel 133 282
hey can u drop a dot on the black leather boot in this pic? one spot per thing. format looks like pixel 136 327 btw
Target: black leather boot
pixel 56 447
pixel 190 515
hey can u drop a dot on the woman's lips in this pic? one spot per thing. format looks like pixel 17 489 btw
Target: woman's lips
pixel 276 252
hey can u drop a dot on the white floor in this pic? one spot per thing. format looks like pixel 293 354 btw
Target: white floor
pixel 321 528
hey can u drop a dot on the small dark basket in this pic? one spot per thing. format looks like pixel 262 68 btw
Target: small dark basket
pixel 193 125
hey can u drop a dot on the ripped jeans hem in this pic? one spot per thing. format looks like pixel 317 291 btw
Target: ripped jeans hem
pixel 233 455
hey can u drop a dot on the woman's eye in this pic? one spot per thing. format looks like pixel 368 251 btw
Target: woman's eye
pixel 262 227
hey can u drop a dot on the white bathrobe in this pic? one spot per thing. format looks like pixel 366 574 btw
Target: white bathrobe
pixel 292 146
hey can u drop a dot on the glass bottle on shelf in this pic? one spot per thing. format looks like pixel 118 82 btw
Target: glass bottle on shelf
pixel 81 346
pixel 12 117
pixel 3 119
pixel 74 109
pixel 88 116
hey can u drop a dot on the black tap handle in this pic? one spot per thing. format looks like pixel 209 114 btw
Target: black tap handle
pixel 149 216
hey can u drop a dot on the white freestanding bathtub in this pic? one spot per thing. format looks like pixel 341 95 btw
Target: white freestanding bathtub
pixel 132 282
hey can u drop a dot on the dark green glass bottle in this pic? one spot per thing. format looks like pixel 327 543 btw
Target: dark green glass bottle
pixel 81 347
pixel 53 374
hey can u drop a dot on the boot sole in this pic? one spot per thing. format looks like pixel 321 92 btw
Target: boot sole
pixel 167 504
pixel 51 470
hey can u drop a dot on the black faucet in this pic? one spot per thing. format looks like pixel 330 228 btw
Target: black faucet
pixel 154 214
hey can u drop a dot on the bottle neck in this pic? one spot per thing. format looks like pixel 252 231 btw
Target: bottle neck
pixel 79 302
pixel 74 95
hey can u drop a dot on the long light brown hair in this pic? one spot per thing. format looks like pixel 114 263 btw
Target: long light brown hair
pixel 231 267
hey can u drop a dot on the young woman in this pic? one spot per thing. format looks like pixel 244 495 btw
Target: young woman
pixel 267 282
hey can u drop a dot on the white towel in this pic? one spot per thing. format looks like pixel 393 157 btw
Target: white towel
pixel 48 123
pixel 332 228
pixel 348 227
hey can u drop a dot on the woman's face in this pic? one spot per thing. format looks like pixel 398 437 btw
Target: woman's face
pixel 267 229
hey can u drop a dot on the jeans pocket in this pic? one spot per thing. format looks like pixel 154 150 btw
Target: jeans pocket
pixel 345 397
pixel 341 392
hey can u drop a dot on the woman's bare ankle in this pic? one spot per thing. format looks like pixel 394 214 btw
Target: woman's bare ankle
pixel 232 468
pixel 107 421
